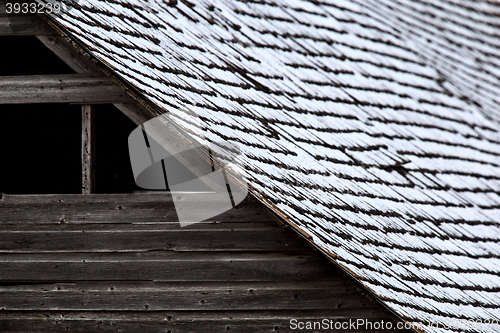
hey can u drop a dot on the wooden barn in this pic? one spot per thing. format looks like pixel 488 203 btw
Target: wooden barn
pixel 120 262
pixel 371 136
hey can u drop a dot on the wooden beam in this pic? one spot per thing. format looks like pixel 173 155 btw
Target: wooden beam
pixel 69 54
pixel 64 88
pixel 136 112
pixel 88 149
pixel 168 134
pixel 72 55
pixel 24 25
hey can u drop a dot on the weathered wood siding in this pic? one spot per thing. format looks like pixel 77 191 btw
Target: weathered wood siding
pixel 111 263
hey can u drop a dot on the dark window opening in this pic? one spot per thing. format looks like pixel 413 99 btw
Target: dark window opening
pixel 40 149
pixel 113 171
pixel 26 55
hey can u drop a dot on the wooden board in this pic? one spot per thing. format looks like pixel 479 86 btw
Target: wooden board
pixel 111 208
pixel 57 237
pixel 63 88
pixel 163 266
pixel 208 296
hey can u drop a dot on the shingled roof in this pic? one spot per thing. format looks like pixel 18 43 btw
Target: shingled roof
pixel 367 125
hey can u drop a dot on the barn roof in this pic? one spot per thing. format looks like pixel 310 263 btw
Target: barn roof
pixel 367 125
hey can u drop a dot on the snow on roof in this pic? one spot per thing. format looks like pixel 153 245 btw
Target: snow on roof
pixel 365 124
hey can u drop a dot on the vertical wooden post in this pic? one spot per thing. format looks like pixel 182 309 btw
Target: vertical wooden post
pixel 88 149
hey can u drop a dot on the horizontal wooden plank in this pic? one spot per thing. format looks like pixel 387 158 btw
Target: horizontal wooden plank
pixel 265 226
pixel 111 208
pixel 7 200
pixel 164 266
pixel 36 238
pixel 175 321
pixel 63 88
pixel 209 296
pixel 24 25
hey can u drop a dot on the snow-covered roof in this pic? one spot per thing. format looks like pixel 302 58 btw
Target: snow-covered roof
pixel 367 124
